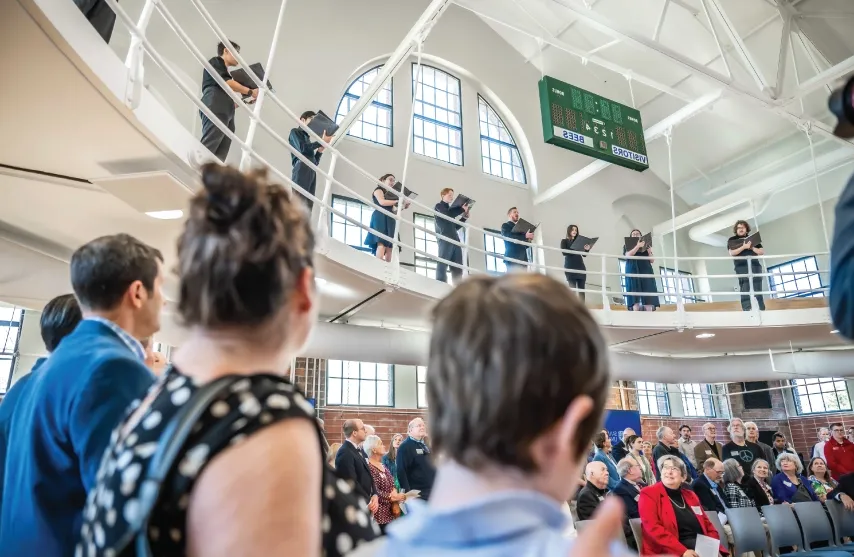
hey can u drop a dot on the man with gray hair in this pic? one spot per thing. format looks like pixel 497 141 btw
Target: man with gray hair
pixel 740 448
pixel 666 446
pixel 629 490
pixel 415 469
pixel 620 450
pixel 753 436
pixel 594 492
pixel 708 447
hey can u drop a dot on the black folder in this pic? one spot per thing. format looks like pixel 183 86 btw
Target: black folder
pixel 462 200
pixel 322 123
pixel 399 187
pixel 523 226
pixel 581 241
pixel 755 239
pixel 240 76
pixel 631 241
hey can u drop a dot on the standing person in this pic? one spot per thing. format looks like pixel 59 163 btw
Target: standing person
pixel 380 222
pixel 740 448
pixel 390 458
pixel 621 449
pixel 219 102
pixel 849 434
pixel 637 453
pixel 666 446
pixel 740 255
pixel 449 229
pixel 513 250
pixel 642 285
pixel 303 175
pixel 387 495
pixel 839 452
pixel 574 261
pixel 64 417
pixel 351 461
pixel 687 445
pixel 780 446
pixel 818 448
pixel 708 447
pixel 415 470
pixel 100 15
pixel 753 436
pixel 249 478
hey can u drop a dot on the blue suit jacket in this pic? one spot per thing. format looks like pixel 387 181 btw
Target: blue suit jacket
pixel 613 475
pixel 511 250
pixel 629 494
pixel 784 490
pixel 61 425
pixel 842 264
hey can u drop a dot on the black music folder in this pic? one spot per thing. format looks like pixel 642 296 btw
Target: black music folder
pixel 581 241
pixel 631 241
pixel 240 76
pixel 462 200
pixel 523 226
pixel 322 123
pixel 755 239
pixel 399 187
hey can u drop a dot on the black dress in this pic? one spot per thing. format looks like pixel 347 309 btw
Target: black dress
pixel 382 223
pixel 574 261
pixel 249 405
pixel 640 284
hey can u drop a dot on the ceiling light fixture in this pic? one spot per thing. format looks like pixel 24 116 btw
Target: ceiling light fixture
pixel 166 215
pixel 834 332
pixel 705 335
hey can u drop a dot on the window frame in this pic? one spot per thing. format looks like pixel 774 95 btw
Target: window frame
pixel 360 380
pixel 652 394
pixel 667 275
pixel 434 121
pixel 621 265
pixel 374 102
pixel 421 385
pixel 701 398
pixel 422 261
pixel 820 382
pixel 7 354
pixel 500 143
pixel 498 257
pixel 362 231
pixel 790 279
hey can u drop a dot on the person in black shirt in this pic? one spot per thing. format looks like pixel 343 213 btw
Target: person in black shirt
pixel 100 15
pixel 303 175
pixel 742 230
pixel 740 449
pixel 415 469
pixel 219 102
pixel 513 250
pixel 448 229
pixel 574 261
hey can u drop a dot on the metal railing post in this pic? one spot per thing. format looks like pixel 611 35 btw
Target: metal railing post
pixel 136 56
pixel 466 252
pixel 753 306
pixel 605 304
pixel 325 197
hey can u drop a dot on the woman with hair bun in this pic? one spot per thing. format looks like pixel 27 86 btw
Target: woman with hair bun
pixel 249 479
pixel 380 222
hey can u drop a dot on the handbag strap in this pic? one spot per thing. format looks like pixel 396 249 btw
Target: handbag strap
pixel 169 446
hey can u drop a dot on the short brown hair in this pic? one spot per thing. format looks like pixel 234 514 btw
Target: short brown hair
pixel 508 355
pixel 738 222
pixel 599 440
pixel 349 427
pixel 445 191
pixel 836 424
pixel 242 251
pixel 510 210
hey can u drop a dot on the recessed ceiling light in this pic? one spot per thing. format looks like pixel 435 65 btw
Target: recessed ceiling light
pixel 705 335
pixel 834 331
pixel 166 215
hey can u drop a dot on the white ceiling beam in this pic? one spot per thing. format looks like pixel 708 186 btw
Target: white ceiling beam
pixel 650 134
pixel 825 78
pixel 661 17
pixel 825 15
pixel 785 40
pixel 717 39
pixel 416 34
pixel 685 5
pixel 560 33
pixel 607 45
pixel 741 49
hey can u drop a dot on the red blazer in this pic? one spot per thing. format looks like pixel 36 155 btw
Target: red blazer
pixel 658 521
pixel 840 458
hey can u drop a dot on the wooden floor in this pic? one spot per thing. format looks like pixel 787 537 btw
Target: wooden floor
pixel 771 304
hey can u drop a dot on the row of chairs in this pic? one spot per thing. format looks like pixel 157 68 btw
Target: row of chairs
pixel 807 526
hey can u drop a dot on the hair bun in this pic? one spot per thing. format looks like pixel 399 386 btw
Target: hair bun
pixel 229 194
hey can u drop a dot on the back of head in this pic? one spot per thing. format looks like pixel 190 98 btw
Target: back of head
pixel 507 357
pixel 59 319
pixel 103 270
pixel 242 252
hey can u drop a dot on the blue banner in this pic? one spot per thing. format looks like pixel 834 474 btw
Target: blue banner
pixel 618 420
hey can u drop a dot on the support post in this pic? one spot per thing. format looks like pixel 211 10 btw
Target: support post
pixel 136 56
pixel 326 196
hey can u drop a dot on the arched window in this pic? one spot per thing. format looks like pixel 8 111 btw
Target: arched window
pixel 437 130
pixel 375 123
pixel 498 151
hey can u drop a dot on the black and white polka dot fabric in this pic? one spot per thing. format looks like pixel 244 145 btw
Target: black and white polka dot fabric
pixel 247 406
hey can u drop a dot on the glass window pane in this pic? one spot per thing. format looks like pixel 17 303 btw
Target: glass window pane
pixel 378 113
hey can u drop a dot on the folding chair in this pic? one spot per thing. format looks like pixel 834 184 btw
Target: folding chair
pixel 816 527
pixel 748 532
pixel 637 530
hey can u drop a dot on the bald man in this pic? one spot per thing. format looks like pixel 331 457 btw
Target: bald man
pixel 592 494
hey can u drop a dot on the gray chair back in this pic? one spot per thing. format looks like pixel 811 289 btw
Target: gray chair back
pixel 582 524
pixel 716 522
pixel 843 521
pixel 814 523
pixel 748 533
pixel 783 527
pixel 637 530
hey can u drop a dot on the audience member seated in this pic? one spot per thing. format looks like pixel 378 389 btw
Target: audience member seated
pixel 671 514
pixel 734 495
pixel 820 478
pixel 621 449
pixel 415 468
pixel 249 479
pixel 708 447
pixel 507 451
pixel 387 495
pixel 753 436
pixel 351 462
pixel 709 489
pixel 594 491
pixel 603 454
pixel 740 448
pixel 789 485
pixel 629 490
pixel 839 452
pixel 758 485
pixel 636 452
pixel 844 492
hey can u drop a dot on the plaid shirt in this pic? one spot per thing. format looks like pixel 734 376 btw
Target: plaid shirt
pixel 735 497
pixel 133 345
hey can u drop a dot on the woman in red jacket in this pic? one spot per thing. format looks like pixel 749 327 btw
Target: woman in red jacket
pixel 671 515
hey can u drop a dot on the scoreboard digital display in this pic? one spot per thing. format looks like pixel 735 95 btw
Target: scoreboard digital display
pixel 586 123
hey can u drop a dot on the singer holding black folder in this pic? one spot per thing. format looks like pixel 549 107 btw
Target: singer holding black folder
pixel 644 284
pixel 303 175
pixel 448 229
pixel 380 222
pixel 740 253
pixel 513 250
pixel 574 261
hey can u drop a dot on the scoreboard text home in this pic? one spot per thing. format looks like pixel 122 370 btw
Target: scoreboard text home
pixel 586 123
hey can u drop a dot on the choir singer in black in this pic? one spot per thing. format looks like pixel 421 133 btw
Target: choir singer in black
pixel 740 253
pixel 449 229
pixel 303 175
pixel 574 261
pixel 513 250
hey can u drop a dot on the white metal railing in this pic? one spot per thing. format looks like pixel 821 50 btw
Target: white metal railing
pixel 323 202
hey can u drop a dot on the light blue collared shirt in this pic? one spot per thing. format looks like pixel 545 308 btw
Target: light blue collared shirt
pixel 134 345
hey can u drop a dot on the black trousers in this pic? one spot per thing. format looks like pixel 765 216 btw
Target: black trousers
pixel 306 178
pixel 451 252
pixel 744 286
pixel 577 282
pixel 213 138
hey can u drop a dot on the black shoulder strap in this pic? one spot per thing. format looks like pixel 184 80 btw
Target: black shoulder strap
pixel 169 446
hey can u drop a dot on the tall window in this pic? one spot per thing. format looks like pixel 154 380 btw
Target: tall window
pixel 817 395
pixel 805 277
pixel 697 400
pixel 437 130
pixel 344 230
pixel 623 286
pixel 375 123
pixel 10 333
pixel 421 379
pixel 498 151
pixel 494 245
pixel 652 398
pixel 425 241
pixel 359 383
pixel 669 280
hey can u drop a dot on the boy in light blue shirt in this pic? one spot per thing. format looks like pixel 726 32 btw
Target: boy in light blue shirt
pixel 517 381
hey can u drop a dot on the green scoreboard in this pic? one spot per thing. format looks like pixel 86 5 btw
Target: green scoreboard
pixel 586 123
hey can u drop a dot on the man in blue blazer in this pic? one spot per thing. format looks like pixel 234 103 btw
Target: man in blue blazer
pixel 512 250
pixel 66 413
pixel 629 491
